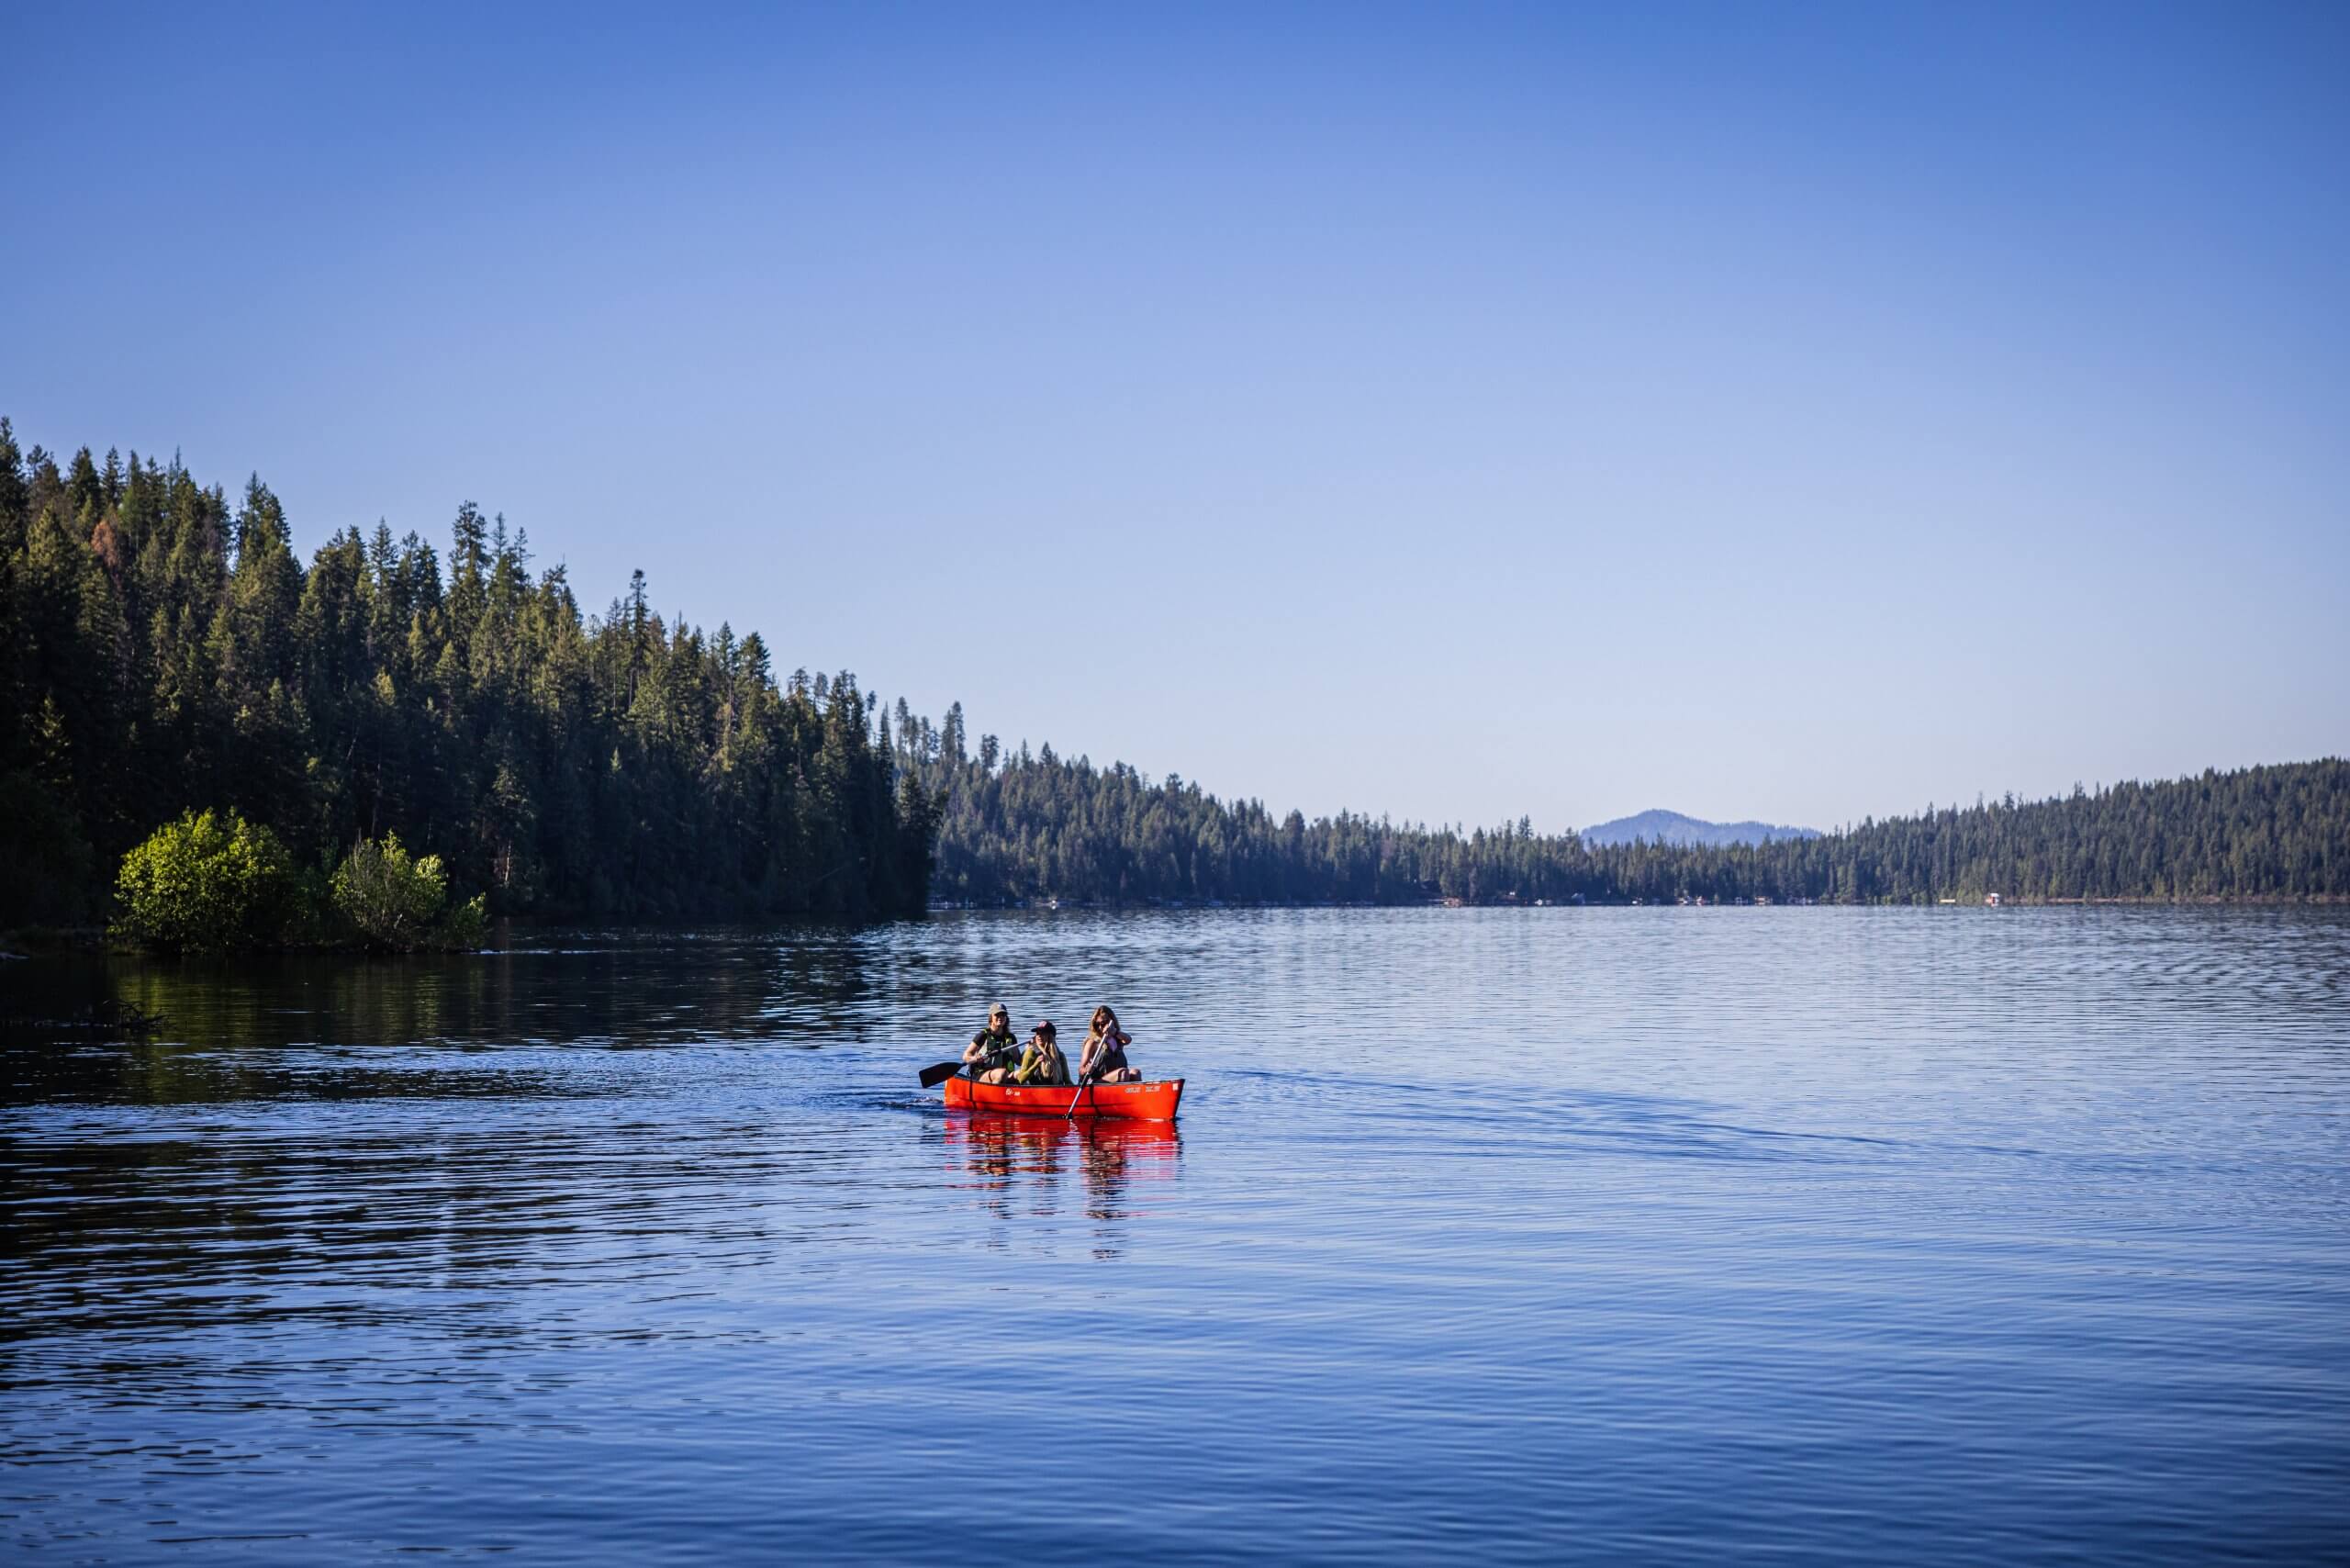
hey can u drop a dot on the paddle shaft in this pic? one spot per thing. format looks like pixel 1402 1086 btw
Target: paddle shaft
pixel 1086 1080
pixel 939 1072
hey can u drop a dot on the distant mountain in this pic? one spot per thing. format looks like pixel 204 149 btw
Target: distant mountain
pixel 1671 827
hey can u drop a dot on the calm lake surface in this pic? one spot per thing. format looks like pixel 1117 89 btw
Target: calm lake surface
pixel 1646 1235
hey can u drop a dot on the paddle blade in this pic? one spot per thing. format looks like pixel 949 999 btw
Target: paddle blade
pixel 939 1072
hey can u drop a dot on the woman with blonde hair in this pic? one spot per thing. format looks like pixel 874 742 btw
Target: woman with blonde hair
pixel 1103 1060
pixel 1041 1061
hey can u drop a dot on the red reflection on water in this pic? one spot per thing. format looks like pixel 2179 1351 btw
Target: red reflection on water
pixel 1110 1155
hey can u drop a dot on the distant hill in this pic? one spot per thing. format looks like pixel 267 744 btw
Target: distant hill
pixel 1671 827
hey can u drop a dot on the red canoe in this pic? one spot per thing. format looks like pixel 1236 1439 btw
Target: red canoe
pixel 1126 1102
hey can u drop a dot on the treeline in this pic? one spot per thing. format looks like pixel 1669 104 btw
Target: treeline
pixel 1027 826
pixel 2280 832
pixel 1031 826
pixel 162 650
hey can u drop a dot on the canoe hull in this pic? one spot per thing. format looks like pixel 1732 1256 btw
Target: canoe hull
pixel 1116 1101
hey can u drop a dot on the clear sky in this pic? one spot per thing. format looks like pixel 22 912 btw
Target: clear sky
pixel 1787 411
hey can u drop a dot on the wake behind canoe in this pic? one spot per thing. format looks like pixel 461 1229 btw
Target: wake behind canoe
pixel 1125 1102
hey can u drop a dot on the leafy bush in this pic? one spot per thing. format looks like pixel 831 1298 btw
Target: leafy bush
pixel 206 883
pixel 391 900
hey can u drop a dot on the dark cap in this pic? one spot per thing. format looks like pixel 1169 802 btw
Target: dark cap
pixel 1045 1028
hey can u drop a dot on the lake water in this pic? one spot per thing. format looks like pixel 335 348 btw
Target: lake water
pixel 1632 1236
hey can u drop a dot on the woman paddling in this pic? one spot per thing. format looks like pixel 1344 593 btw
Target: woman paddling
pixel 1103 1059
pixel 990 1046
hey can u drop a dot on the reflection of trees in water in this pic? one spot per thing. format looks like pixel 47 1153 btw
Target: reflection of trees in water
pixel 1019 1160
pixel 544 988
pixel 308 1000
pixel 812 984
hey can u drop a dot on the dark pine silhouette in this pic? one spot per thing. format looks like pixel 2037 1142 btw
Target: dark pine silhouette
pixel 1026 826
pixel 162 650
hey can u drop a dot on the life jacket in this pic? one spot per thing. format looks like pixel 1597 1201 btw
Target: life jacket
pixel 1002 1046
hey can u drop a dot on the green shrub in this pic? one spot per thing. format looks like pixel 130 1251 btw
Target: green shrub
pixel 393 900
pixel 206 883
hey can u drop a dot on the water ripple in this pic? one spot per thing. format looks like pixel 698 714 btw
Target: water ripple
pixel 1837 1236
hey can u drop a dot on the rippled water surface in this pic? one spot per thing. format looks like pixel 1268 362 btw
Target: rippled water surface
pixel 2015 1236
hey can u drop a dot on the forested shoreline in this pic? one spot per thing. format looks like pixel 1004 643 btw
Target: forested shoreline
pixel 1028 827
pixel 164 651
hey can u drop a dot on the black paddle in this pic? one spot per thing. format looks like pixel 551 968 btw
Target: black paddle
pixel 1086 1080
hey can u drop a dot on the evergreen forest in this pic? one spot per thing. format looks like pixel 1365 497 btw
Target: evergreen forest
pixel 164 650
pixel 1034 826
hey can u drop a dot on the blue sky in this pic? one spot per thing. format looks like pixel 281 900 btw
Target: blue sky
pixel 1796 412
